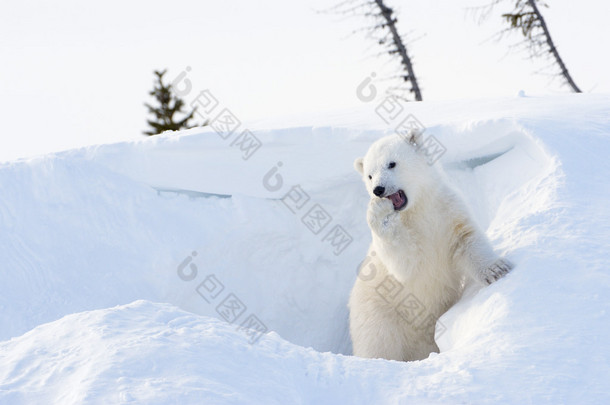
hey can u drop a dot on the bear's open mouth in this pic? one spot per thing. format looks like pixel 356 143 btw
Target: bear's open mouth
pixel 399 199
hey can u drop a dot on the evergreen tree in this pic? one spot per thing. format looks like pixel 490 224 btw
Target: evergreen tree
pixel 169 105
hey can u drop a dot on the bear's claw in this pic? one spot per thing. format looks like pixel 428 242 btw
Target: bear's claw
pixel 380 209
pixel 497 270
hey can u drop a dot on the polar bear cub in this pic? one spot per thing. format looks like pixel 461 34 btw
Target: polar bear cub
pixel 425 248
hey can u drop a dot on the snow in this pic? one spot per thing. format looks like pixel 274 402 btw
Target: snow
pixel 118 260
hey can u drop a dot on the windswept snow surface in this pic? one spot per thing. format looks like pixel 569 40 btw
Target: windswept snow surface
pixel 120 264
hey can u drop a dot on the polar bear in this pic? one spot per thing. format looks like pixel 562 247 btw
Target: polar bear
pixel 425 249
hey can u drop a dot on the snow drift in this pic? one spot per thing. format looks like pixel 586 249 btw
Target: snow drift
pixel 173 270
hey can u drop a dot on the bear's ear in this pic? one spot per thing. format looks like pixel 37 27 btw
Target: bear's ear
pixel 415 137
pixel 359 165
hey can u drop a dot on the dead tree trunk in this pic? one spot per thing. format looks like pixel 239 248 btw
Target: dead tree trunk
pixel 552 48
pixel 386 12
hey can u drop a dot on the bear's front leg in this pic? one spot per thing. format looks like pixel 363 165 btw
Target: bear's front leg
pixel 381 217
pixel 474 253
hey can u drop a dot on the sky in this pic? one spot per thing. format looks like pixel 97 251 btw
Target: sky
pixel 76 73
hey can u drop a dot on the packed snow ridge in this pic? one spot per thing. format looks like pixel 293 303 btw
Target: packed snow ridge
pixel 184 269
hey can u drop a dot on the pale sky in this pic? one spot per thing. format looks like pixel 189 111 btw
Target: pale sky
pixel 76 73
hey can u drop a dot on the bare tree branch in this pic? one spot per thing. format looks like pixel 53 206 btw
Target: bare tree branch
pixel 390 40
pixel 553 49
pixel 390 23
pixel 527 18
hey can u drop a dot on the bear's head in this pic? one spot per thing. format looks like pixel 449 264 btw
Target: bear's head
pixel 392 168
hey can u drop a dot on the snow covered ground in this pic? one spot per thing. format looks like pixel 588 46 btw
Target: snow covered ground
pixel 130 271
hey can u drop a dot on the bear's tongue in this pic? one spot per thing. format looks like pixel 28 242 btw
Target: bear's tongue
pixel 399 199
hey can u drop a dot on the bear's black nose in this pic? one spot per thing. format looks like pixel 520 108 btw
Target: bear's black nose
pixel 378 191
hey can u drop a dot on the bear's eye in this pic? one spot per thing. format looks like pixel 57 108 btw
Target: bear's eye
pixel 392 165
pixel 370 177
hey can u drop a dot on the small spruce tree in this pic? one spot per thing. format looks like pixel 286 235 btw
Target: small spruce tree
pixel 170 104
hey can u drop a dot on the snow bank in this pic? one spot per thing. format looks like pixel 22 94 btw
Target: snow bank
pixel 184 221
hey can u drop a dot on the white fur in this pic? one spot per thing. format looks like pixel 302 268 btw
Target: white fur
pixel 420 257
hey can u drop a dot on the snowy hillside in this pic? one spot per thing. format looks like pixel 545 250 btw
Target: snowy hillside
pixel 188 268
